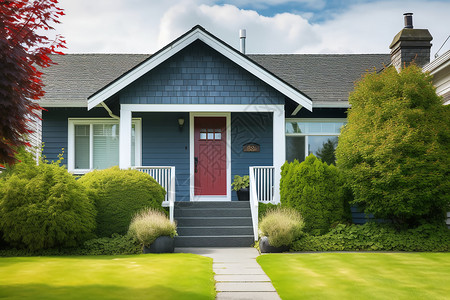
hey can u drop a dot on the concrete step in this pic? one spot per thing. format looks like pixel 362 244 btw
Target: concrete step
pixel 212 212
pixel 215 230
pixel 213 221
pixel 212 204
pixel 214 241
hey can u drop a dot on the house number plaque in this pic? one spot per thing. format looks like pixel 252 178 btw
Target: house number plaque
pixel 251 147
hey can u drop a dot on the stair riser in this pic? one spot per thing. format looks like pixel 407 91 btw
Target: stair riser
pixel 218 204
pixel 213 241
pixel 211 231
pixel 204 222
pixel 223 212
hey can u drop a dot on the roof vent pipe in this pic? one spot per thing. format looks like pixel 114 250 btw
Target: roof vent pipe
pixel 408 20
pixel 242 36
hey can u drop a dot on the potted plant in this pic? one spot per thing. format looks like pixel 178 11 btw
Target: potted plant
pixel 240 185
pixel 278 228
pixel 153 230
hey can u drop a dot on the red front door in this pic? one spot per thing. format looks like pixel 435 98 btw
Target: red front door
pixel 210 159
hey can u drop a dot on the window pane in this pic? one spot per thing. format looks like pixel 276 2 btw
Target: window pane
pixel 210 134
pixel 81 146
pixel 295 148
pixel 106 145
pixel 313 127
pixel 218 134
pixel 203 134
pixel 323 147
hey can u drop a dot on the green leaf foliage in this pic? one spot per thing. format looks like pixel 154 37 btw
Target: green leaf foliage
pixel 240 182
pixel 43 206
pixel 317 191
pixel 378 237
pixel 394 149
pixel 118 195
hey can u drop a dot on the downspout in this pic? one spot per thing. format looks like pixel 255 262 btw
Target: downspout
pixel 109 111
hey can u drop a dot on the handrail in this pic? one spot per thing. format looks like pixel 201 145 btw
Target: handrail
pixel 165 176
pixel 253 202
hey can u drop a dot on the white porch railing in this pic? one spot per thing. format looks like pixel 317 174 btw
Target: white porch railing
pixel 261 190
pixel 165 176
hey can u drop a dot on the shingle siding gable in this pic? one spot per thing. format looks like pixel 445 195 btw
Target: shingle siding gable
pixel 199 75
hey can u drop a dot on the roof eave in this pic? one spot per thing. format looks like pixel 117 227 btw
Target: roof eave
pixel 198 33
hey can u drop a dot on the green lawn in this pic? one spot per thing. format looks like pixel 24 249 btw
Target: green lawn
pixel 150 276
pixel 359 275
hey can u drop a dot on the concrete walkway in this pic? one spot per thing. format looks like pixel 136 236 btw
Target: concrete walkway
pixel 237 274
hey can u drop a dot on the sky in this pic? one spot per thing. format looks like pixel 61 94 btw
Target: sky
pixel 273 26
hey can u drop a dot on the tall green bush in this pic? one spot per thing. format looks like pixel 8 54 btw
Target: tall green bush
pixel 43 206
pixel 317 191
pixel 118 195
pixel 394 149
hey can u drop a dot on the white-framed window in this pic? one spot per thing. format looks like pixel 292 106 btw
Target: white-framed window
pixel 316 136
pixel 94 144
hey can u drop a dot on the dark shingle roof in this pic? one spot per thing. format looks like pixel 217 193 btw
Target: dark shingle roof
pixel 326 79
pixel 77 76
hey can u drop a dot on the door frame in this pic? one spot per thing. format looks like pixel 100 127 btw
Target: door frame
pixel 192 116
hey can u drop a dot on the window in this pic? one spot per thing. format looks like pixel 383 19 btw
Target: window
pixel 316 136
pixel 94 144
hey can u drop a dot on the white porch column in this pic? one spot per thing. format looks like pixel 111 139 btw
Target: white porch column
pixel 279 149
pixel 125 139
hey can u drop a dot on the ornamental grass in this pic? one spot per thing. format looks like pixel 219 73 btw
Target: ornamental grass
pixel 282 225
pixel 149 224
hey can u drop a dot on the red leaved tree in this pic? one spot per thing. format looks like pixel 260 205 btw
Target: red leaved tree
pixel 23 49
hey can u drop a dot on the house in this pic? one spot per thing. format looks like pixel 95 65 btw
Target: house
pixel 198 112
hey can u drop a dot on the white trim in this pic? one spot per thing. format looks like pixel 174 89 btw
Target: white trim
pixel 340 104
pixel 125 139
pixel 279 150
pixel 296 110
pixel 88 121
pixel 224 49
pixel 227 116
pixel 438 64
pixel 209 108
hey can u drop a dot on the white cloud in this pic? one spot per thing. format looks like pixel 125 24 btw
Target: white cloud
pixel 278 34
pixel 140 26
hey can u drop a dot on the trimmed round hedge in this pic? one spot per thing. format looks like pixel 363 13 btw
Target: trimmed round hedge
pixel 43 206
pixel 118 195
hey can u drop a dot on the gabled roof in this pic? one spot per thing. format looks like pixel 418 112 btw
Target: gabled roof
pixel 199 33
pixel 326 78
pixel 76 76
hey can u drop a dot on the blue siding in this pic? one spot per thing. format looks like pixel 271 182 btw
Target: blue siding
pixel 163 144
pixel 245 128
pixel 199 75
pixel 55 128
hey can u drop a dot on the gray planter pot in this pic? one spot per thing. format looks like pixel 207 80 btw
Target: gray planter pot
pixel 265 247
pixel 163 244
pixel 243 194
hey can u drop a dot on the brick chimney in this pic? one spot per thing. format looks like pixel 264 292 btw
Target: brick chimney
pixel 410 45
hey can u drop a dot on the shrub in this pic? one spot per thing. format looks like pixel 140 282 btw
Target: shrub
pixel 118 195
pixel 317 191
pixel 281 226
pixel 115 245
pixel 43 206
pixel 263 208
pixel 394 149
pixel 377 237
pixel 149 224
